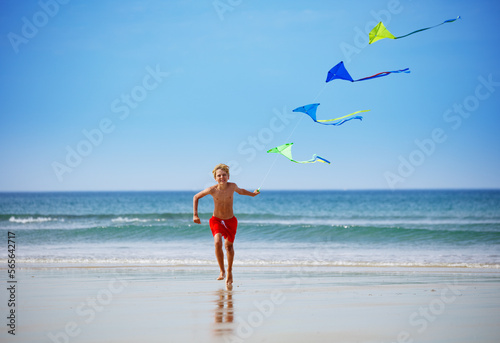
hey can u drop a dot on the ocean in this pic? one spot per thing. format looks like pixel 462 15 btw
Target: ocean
pixel 413 228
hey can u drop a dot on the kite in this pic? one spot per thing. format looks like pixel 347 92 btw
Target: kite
pixel 286 150
pixel 310 110
pixel 381 32
pixel 339 72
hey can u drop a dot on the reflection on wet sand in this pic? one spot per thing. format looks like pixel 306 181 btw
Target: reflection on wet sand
pixel 224 312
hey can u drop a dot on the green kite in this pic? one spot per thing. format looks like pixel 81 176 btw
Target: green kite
pixel 381 32
pixel 286 150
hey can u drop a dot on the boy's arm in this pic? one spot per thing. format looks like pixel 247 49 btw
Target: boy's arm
pixel 197 197
pixel 242 191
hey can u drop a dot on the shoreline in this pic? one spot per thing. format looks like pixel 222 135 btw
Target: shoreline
pixel 264 264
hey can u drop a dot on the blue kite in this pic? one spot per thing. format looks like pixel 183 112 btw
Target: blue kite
pixel 310 110
pixel 339 72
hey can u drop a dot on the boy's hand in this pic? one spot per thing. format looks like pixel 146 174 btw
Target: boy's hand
pixel 196 219
pixel 256 192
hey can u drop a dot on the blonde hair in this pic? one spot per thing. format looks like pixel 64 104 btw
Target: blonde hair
pixel 221 166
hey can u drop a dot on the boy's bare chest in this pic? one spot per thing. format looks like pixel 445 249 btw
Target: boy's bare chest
pixel 223 197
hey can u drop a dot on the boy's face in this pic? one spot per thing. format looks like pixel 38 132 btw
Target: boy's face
pixel 221 176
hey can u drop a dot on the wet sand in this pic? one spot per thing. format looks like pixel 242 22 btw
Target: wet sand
pixel 266 304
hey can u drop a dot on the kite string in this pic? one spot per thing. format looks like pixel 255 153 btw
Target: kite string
pixel 276 157
pixel 265 177
pixel 288 138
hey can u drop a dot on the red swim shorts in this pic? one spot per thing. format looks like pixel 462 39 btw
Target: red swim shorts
pixel 226 227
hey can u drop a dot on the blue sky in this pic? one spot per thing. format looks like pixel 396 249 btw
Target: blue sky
pixel 151 95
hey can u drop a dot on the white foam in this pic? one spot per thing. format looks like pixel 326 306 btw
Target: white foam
pixel 349 222
pixel 250 263
pixel 31 220
pixel 128 220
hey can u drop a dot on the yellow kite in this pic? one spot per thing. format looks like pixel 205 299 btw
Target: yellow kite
pixel 381 32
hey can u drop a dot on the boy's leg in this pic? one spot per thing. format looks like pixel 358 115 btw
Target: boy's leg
pixel 230 258
pixel 220 255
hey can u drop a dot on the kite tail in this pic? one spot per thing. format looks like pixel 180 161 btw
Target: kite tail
pixel 384 73
pixel 431 27
pixel 314 159
pixel 343 121
pixel 321 159
pixel 335 119
pixel 409 34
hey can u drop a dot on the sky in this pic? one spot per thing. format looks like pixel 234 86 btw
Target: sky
pixel 151 95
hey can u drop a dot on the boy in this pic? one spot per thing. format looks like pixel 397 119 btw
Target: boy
pixel 223 221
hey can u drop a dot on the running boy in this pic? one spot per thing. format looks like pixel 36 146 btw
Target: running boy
pixel 223 222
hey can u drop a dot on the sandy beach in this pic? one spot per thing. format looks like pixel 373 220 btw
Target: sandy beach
pixel 266 304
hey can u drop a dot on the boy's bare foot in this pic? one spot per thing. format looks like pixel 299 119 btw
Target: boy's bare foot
pixel 222 276
pixel 229 280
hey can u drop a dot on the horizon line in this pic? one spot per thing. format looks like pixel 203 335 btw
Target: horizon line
pixel 270 190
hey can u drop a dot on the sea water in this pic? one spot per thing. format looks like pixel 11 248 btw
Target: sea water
pixel 424 228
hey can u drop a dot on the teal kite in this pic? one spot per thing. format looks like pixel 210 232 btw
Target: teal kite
pixel 381 32
pixel 310 110
pixel 286 150
pixel 339 72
